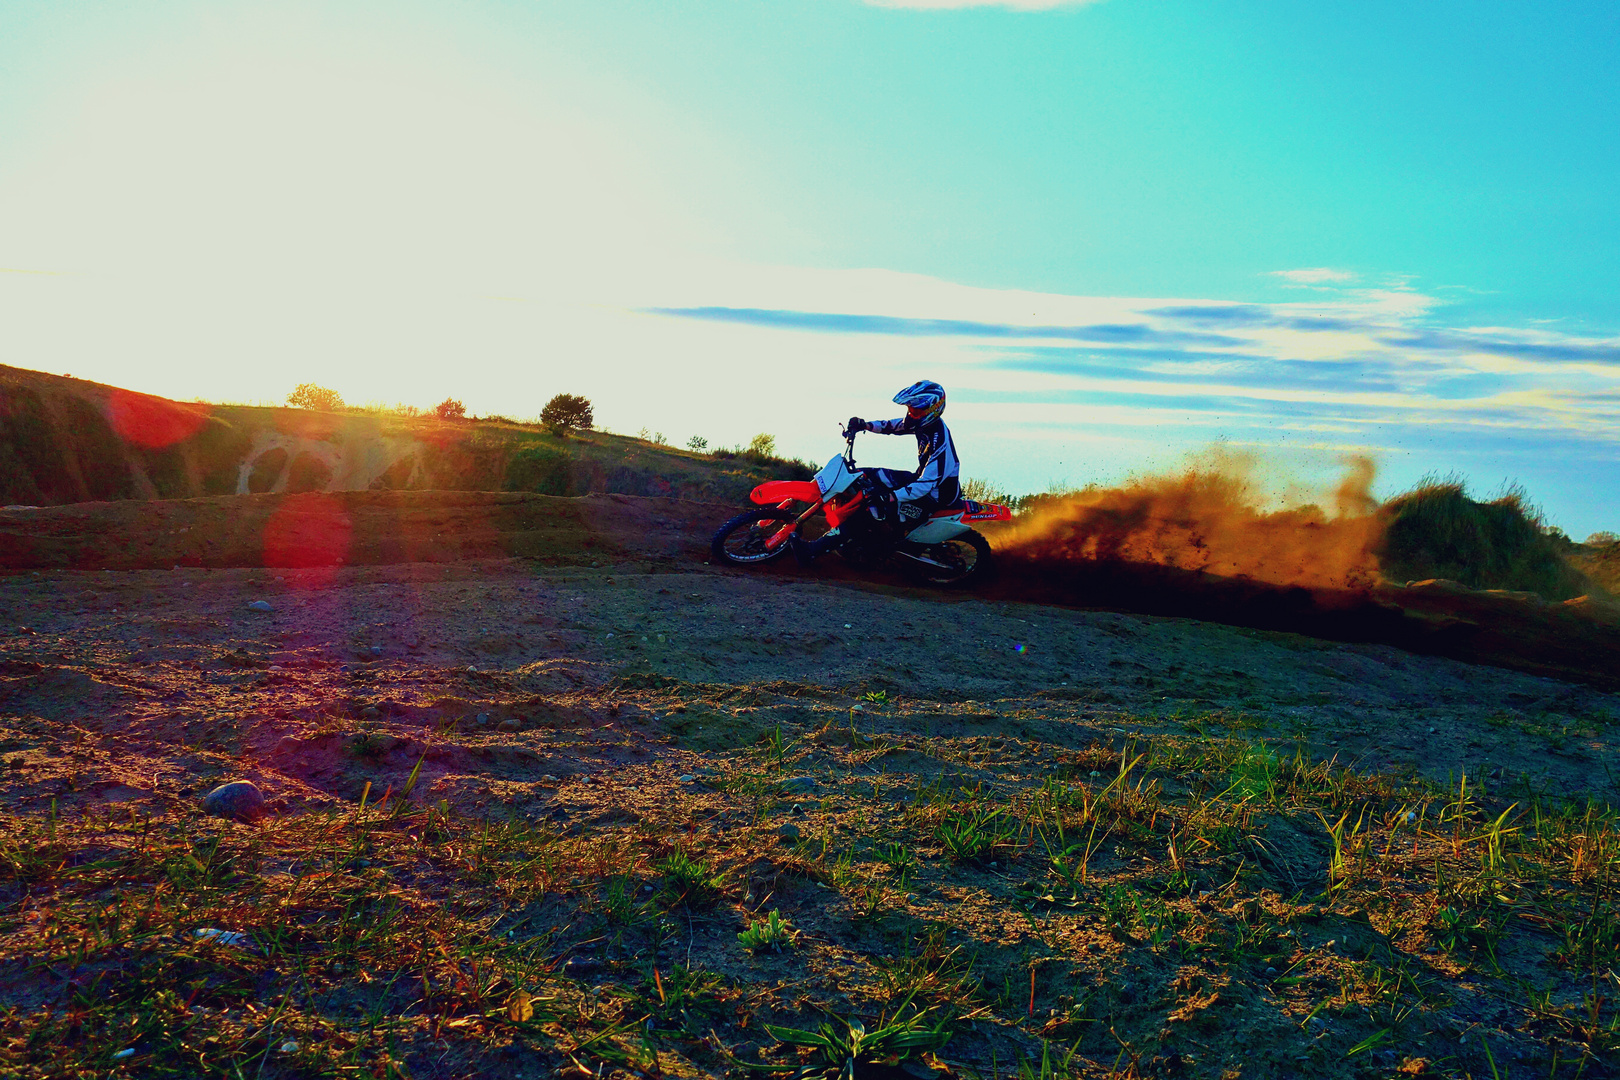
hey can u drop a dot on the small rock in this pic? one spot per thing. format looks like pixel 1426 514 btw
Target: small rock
pixel 799 785
pixel 370 712
pixel 289 1047
pixel 483 719
pixel 547 778
pixel 376 650
pixel 511 723
pixel 685 778
pixel 358 864
pixel 223 937
pixel 788 832
pixel 240 799
pixel 260 605
pixel 128 1051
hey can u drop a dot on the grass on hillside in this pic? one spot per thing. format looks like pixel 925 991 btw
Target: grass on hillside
pixel 1437 531
pixel 60 442
pixel 1184 905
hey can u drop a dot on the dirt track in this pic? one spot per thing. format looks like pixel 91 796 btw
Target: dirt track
pixel 1577 640
pixel 168 676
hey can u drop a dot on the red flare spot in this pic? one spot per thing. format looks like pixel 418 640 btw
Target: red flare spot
pixel 309 531
pixel 152 422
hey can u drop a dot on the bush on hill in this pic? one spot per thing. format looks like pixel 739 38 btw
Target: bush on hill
pixel 308 395
pixel 1436 531
pixel 568 412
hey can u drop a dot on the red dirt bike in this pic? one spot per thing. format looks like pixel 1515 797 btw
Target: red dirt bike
pixel 942 549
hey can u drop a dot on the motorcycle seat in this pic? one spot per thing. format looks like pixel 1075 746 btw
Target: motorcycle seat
pixel 954 508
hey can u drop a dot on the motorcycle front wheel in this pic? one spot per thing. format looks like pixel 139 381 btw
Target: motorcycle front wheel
pixel 958 561
pixel 741 541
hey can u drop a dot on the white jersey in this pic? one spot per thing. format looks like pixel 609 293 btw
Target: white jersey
pixel 938 471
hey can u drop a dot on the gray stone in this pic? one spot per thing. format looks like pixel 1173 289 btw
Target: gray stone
pixel 240 799
pixel 260 605
pixel 789 833
pixel 686 778
pixel 799 785
pixel 511 723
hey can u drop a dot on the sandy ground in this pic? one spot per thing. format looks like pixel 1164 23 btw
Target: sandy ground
pixel 617 695
pixel 515 683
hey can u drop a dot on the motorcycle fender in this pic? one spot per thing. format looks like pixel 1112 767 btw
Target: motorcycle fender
pixel 775 491
pixel 937 531
pixel 987 512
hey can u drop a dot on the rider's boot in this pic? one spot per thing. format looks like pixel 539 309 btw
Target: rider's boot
pixel 806 550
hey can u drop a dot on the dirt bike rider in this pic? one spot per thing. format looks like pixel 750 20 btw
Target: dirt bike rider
pixel 901 500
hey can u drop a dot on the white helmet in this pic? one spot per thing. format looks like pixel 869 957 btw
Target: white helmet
pixel 924 400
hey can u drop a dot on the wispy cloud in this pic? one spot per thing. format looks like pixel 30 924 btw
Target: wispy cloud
pixel 1358 361
pixel 1314 275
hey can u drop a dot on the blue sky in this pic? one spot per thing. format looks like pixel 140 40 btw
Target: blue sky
pixel 1118 231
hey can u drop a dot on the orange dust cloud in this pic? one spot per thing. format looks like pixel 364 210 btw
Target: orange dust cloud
pixel 1216 516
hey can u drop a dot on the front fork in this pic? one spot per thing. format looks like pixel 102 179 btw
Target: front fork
pixel 780 536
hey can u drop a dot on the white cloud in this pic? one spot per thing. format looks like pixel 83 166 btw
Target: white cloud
pixel 1314 275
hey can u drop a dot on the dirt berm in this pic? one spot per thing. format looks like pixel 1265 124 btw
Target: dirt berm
pixel 1578 640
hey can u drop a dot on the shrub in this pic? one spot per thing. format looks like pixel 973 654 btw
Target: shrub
pixel 567 412
pixel 1436 531
pixel 450 409
pixel 697 444
pixel 1602 539
pixel 762 446
pixel 310 396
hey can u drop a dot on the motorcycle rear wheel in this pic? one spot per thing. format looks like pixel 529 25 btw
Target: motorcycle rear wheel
pixel 741 541
pixel 959 561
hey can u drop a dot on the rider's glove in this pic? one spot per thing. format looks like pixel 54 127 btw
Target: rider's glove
pixel 855 424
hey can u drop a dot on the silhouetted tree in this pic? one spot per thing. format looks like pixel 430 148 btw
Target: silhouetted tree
pixel 450 409
pixel 567 412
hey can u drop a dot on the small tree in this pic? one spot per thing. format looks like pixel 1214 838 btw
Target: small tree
pixel 450 409
pixel 762 446
pixel 697 444
pixel 567 412
pixel 307 395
